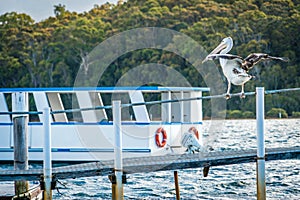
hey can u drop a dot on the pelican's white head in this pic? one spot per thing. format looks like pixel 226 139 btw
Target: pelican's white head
pixel 224 47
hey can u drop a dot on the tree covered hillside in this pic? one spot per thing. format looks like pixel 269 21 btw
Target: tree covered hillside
pixel 49 53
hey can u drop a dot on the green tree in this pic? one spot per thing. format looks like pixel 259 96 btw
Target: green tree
pixel 49 53
pixel 277 113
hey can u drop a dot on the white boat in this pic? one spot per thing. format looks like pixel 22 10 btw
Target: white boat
pixel 147 130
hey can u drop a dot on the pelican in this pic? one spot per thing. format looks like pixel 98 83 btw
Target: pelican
pixel 234 67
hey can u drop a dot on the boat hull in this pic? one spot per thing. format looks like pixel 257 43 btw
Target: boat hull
pixel 94 141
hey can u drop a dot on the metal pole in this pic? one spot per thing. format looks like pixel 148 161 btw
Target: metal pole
pixel 20 125
pixel 176 185
pixel 181 107
pixel 118 150
pixel 169 107
pixel 47 195
pixel 260 164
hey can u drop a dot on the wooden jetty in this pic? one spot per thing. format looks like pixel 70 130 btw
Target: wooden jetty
pixel 153 163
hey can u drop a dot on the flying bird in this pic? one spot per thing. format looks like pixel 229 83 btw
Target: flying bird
pixel 236 68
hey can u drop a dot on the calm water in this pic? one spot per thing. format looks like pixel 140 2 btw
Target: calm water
pixel 224 182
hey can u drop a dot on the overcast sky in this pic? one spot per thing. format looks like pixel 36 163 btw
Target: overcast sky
pixel 42 9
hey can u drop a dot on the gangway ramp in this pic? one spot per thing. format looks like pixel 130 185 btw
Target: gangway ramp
pixel 154 163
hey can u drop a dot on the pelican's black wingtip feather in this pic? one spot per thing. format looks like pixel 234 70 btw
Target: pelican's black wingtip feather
pixel 285 59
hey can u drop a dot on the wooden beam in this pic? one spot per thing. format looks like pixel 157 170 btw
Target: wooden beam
pixel 20 124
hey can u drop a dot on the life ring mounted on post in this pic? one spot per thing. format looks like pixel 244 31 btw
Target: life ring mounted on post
pixel 195 131
pixel 164 137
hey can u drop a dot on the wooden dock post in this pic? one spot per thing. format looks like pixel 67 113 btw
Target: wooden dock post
pixel 117 187
pixel 260 163
pixel 176 185
pixel 20 123
pixel 47 194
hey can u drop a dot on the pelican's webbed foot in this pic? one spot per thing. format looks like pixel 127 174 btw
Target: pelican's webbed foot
pixel 243 96
pixel 227 96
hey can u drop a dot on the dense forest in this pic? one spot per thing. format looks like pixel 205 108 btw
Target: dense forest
pixel 49 53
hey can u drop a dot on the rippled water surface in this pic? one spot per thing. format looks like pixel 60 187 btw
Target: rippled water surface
pixel 223 182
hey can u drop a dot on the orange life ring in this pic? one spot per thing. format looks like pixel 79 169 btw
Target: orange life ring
pixel 195 131
pixel 157 139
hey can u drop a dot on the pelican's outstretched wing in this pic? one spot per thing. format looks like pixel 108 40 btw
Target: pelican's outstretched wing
pixel 255 58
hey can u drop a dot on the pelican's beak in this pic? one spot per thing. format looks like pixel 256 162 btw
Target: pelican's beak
pixel 217 50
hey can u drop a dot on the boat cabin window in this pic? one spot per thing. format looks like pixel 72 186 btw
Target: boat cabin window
pixel 69 98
